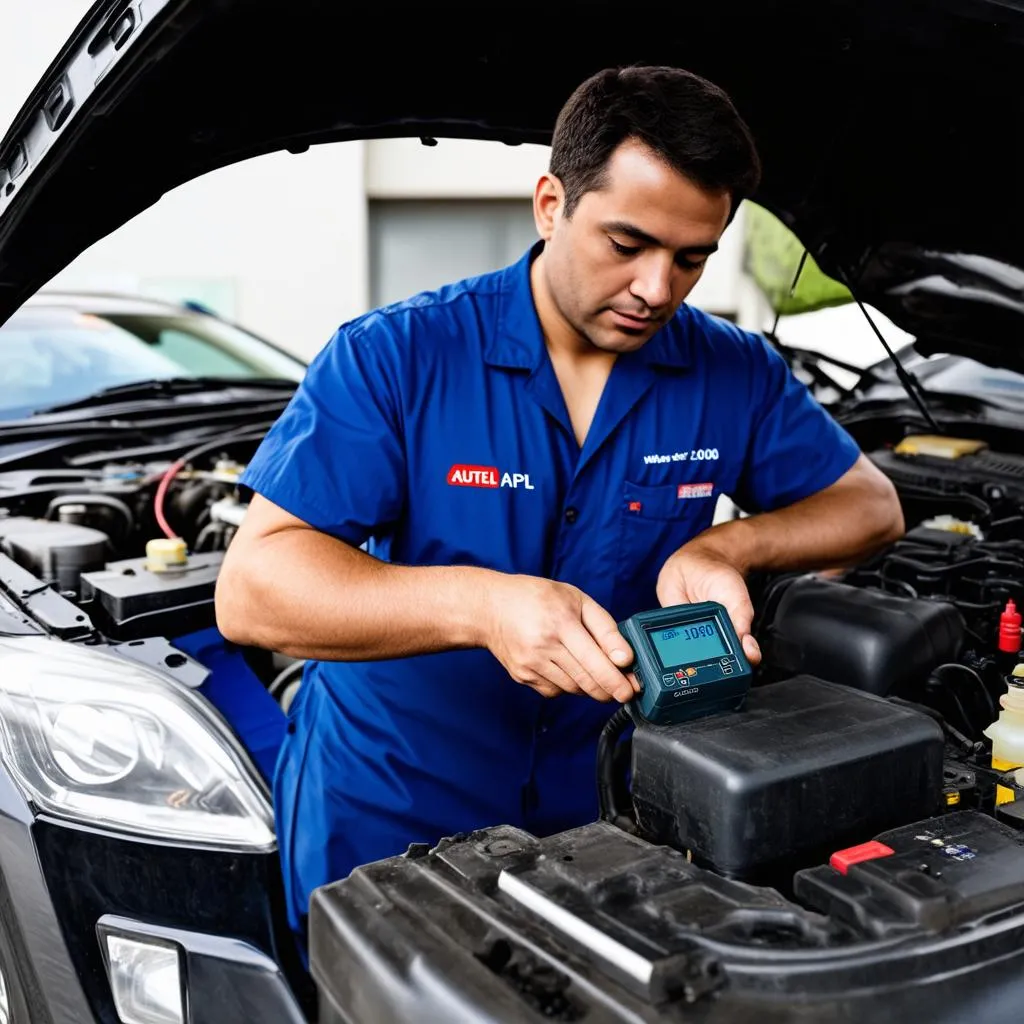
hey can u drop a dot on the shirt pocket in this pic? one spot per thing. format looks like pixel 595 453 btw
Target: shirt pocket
pixel 654 521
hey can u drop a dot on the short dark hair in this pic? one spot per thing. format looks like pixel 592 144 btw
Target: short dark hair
pixel 688 121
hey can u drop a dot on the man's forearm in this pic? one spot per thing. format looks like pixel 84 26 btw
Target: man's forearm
pixel 836 527
pixel 309 595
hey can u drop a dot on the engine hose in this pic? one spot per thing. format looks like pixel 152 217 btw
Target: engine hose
pixel 180 463
pixel 955 668
pixel 612 791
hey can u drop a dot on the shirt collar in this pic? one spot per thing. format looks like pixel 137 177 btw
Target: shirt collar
pixel 518 342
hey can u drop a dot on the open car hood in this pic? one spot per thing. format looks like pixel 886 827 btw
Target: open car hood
pixel 889 129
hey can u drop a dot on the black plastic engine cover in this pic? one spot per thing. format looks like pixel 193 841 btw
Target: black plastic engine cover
pixel 597 926
pixel 55 552
pixel 868 639
pixel 805 768
pixel 127 601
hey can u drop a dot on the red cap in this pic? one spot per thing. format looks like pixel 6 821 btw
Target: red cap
pixel 843 860
pixel 1009 629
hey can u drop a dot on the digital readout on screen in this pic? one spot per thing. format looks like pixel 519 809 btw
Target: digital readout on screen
pixel 688 643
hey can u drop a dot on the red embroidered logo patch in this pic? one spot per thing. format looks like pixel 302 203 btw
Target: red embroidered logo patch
pixel 695 490
pixel 473 476
pixel 487 476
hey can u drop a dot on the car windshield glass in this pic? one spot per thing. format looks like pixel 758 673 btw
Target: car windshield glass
pixel 52 356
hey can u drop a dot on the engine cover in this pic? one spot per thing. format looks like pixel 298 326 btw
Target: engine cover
pixel 867 639
pixel 599 927
pixel 806 767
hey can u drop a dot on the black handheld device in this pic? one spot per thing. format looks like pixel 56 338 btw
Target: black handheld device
pixel 688 661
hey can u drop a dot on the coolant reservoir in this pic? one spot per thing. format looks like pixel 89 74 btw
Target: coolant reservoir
pixel 165 554
pixel 1007 732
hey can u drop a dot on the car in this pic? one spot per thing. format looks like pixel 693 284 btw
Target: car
pixel 62 346
pixel 843 848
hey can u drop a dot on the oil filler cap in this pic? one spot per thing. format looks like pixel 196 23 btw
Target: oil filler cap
pixel 843 860
pixel 165 554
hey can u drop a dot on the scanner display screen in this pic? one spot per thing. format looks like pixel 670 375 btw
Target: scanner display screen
pixel 688 643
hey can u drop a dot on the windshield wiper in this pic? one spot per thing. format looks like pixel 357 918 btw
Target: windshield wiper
pixel 170 387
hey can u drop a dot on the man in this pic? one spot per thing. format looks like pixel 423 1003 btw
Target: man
pixel 531 455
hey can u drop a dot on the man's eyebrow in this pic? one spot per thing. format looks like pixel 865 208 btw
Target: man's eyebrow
pixel 622 227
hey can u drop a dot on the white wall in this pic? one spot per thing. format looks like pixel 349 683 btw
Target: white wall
pixel 453 169
pixel 277 243
pixel 470 169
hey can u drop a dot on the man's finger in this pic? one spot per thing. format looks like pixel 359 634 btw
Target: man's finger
pixel 580 678
pixel 605 630
pixel 671 592
pixel 546 689
pixel 751 649
pixel 594 662
pixel 741 610
pixel 564 677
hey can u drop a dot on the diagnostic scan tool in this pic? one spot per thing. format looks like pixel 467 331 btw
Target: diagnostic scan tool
pixel 688 661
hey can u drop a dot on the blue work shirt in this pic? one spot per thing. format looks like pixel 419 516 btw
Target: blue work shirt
pixel 435 431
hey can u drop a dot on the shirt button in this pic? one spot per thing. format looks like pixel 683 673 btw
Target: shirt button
pixel 571 514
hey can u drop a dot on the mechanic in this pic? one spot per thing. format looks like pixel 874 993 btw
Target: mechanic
pixel 528 456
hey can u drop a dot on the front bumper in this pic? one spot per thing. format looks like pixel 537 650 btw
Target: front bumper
pixel 223 911
pixel 222 979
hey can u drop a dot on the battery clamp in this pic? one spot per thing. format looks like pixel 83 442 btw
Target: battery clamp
pixel 688 661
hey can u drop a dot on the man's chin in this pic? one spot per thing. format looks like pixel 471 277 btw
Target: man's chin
pixel 620 341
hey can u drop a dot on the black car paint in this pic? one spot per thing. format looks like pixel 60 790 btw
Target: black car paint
pixel 222 897
pixel 32 948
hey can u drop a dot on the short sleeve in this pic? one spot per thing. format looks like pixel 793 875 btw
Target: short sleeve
pixel 796 448
pixel 335 458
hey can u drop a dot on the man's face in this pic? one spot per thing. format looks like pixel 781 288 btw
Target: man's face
pixel 619 268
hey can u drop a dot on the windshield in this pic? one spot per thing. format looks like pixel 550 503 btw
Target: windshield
pixel 49 356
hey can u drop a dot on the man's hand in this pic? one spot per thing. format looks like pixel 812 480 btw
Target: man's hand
pixel 553 638
pixel 694 574
pixel 837 526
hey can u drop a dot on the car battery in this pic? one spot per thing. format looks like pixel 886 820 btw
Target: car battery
pixel 932 876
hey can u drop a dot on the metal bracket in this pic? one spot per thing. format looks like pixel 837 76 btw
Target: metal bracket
pixel 159 653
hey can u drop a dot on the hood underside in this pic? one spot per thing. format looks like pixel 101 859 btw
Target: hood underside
pixel 889 129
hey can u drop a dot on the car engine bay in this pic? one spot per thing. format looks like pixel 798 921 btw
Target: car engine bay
pixel 918 621
pixel 716 856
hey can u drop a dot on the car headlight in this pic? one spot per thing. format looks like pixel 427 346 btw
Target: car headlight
pixel 92 737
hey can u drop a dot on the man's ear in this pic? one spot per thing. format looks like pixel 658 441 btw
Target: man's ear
pixel 548 201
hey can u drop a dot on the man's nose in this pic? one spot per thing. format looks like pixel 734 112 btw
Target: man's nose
pixel 653 283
